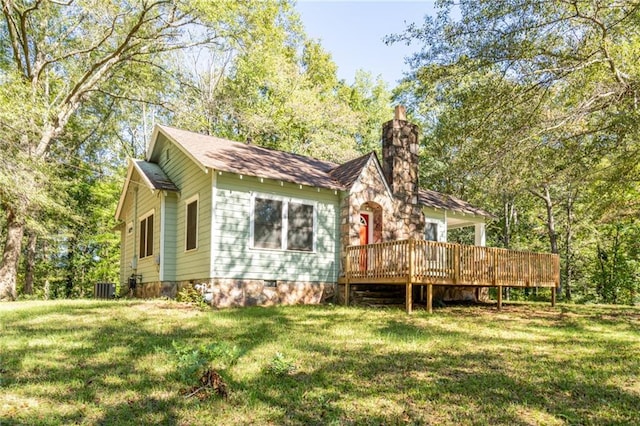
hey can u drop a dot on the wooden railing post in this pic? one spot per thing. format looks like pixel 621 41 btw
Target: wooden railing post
pixel 412 259
pixel 494 279
pixel 410 274
pixel 456 264
pixel 528 281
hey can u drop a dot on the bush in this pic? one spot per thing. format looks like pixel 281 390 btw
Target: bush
pixel 193 362
pixel 189 294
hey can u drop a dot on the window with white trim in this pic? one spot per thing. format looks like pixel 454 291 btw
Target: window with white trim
pixel 146 235
pixel 431 231
pixel 191 223
pixel 431 234
pixel 282 223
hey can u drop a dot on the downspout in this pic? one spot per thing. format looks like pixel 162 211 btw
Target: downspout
pixel 212 218
pixel 162 235
pixel 134 221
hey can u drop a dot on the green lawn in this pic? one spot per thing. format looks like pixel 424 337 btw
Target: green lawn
pixel 90 362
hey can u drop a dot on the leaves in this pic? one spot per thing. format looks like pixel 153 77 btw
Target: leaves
pixel 521 99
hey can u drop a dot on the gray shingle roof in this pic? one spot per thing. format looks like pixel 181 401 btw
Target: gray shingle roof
pixel 251 160
pixel 155 175
pixel 348 172
pixel 430 198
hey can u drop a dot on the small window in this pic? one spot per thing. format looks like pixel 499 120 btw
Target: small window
pixel 146 236
pixel 191 238
pixel 431 231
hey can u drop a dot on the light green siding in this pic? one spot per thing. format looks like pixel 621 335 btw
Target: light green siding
pixel 191 180
pixel 234 258
pixel 123 254
pixel 170 242
pixel 148 201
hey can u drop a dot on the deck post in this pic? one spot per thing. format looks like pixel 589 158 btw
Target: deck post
pixel 410 273
pixel 409 296
pixel 430 298
pixel 553 296
pixel 346 292
pixel 499 297
pixel 346 280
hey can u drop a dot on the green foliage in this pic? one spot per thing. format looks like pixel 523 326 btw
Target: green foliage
pixel 527 110
pixel 616 264
pixel 281 91
pixel 280 365
pixel 192 361
pixel 189 294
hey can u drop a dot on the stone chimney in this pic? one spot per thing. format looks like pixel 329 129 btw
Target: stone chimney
pixel 400 156
pixel 400 167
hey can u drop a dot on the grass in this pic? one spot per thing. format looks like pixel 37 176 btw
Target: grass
pixel 93 362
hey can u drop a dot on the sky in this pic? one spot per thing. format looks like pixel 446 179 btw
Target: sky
pixel 352 31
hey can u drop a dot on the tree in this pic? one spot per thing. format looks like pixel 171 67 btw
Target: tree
pixel 281 91
pixel 56 57
pixel 529 98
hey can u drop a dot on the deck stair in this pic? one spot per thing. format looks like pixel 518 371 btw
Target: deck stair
pixel 378 295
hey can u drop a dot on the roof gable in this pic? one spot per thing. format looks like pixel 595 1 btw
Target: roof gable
pixel 352 171
pixel 151 174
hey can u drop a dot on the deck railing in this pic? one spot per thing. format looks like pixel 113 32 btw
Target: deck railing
pixel 430 262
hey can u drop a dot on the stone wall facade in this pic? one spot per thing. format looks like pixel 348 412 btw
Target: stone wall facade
pixel 226 293
pixel 397 215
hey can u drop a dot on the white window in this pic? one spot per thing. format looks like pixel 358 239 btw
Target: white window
pixel 431 231
pixel 146 235
pixel 191 223
pixel 431 234
pixel 282 223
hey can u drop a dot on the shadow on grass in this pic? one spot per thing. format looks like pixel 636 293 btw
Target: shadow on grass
pixel 104 364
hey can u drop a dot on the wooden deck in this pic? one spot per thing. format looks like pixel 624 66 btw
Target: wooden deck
pixel 429 263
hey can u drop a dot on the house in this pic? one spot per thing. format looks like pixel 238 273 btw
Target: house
pixel 255 226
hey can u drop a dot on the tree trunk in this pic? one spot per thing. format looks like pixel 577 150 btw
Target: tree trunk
pixel 551 222
pixel 10 256
pixel 509 215
pixel 569 247
pixel 71 270
pixel 31 263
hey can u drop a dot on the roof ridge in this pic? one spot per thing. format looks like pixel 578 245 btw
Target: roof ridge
pixel 252 145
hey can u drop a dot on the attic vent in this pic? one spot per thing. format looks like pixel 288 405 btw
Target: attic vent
pixel 166 154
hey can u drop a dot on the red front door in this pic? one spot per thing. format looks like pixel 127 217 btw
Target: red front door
pixel 365 222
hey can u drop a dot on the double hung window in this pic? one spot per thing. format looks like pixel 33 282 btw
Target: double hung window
pixel 191 219
pixel 146 236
